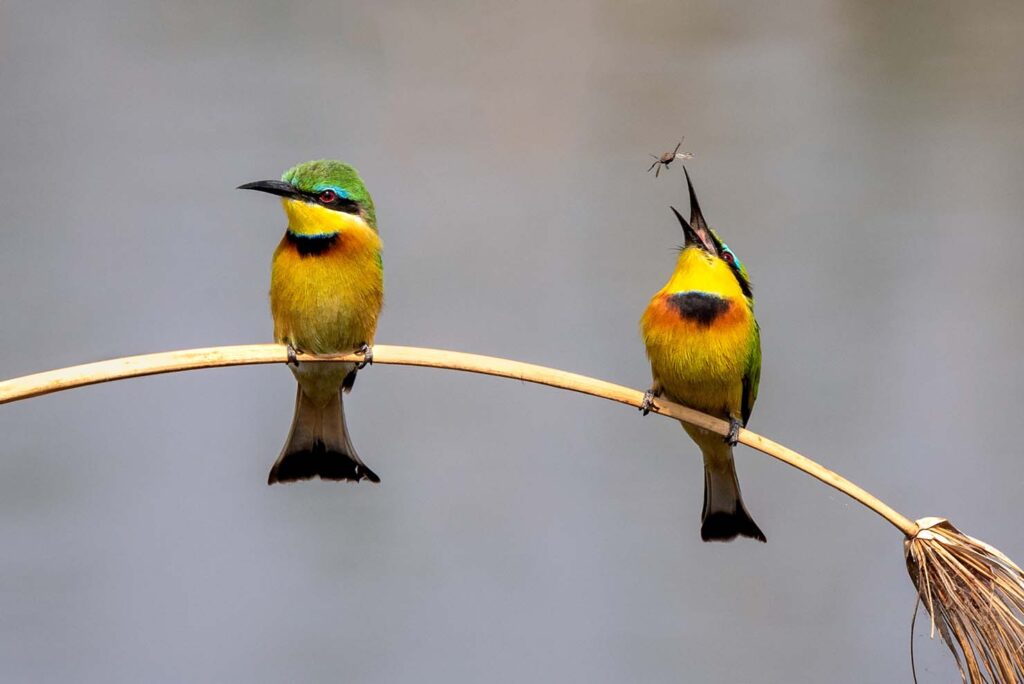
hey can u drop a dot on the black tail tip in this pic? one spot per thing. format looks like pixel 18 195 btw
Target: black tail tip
pixel 321 462
pixel 721 526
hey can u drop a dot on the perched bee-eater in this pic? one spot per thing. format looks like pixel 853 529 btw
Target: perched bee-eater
pixel 705 351
pixel 326 291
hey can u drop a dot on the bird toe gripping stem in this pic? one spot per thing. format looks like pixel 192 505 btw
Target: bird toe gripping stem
pixel 293 359
pixel 366 351
pixel 648 404
pixel 733 438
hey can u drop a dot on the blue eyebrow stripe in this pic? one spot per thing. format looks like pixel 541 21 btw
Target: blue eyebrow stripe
pixel 341 191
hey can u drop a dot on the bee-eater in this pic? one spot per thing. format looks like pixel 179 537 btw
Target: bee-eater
pixel 704 345
pixel 326 291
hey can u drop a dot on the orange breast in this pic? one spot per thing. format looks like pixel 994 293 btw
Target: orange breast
pixel 695 313
pixel 699 346
pixel 327 301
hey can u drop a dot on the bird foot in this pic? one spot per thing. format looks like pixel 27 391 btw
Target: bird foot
pixel 366 351
pixel 733 438
pixel 293 359
pixel 648 404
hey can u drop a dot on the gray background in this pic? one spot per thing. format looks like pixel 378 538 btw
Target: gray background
pixel 864 159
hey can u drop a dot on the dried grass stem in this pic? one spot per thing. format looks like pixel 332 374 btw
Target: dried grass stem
pixel 211 357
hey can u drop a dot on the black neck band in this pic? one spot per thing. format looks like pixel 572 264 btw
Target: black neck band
pixel 307 245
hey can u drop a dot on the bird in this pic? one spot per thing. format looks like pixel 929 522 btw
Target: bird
pixel 704 346
pixel 326 293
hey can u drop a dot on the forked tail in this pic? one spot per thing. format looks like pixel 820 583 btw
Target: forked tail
pixel 318 446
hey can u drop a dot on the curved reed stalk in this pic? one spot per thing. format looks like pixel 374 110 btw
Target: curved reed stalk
pixel 973 593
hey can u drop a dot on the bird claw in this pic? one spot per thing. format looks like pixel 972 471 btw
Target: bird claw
pixel 366 351
pixel 733 438
pixel 648 404
pixel 293 359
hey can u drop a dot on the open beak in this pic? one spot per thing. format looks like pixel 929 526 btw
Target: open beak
pixel 273 187
pixel 695 231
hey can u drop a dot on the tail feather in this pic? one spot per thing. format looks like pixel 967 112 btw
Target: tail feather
pixel 724 517
pixel 318 445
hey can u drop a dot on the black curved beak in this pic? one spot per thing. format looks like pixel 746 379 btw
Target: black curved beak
pixel 274 187
pixel 690 236
pixel 695 231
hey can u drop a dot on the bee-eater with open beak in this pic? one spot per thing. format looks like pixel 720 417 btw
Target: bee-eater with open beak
pixel 326 291
pixel 704 345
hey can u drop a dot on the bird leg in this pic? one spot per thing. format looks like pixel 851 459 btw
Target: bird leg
pixel 366 351
pixel 733 438
pixel 292 356
pixel 648 404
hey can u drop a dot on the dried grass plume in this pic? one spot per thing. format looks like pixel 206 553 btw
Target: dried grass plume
pixel 975 597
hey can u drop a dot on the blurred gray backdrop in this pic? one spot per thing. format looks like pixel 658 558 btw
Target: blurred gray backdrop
pixel 864 159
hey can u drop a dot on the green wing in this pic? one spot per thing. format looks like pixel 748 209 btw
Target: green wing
pixel 752 376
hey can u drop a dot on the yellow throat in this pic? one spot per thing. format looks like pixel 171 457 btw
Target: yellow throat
pixel 698 271
pixel 314 220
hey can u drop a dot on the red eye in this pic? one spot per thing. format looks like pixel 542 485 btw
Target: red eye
pixel 328 196
pixel 729 258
